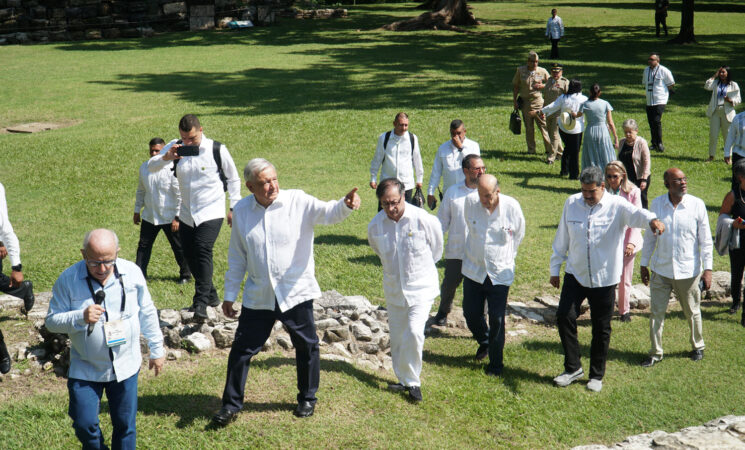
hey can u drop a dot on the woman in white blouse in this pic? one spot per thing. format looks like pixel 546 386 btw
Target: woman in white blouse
pixel 725 96
pixel 570 134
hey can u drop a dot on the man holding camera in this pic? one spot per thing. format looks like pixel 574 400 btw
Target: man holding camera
pixel 205 171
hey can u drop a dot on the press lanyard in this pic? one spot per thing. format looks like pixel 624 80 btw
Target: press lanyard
pixel 121 283
pixel 652 76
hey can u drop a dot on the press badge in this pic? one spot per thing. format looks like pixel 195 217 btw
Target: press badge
pixel 115 333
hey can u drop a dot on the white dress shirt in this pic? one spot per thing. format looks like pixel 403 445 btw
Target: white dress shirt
pixel 590 238
pixel 89 355
pixel 567 103
pixel 555 27
pixel 453 221
pixel 202 195
pixel 273 249
pixel 448 164
pixel 491 245
pixel 158 195
pixel 397 160
pixel 656 82
pixel 685 245
pixel 7 235
pixel 735 142
pixel 408 250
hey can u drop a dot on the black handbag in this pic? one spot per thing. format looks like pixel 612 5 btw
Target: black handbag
pixel 418 198
pixel 515 122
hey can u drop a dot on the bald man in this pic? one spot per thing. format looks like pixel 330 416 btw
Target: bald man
pixel 678 260
pixel 103 304
pixel 496 227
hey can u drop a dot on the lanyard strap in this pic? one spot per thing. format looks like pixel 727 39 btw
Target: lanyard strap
pixel 121 283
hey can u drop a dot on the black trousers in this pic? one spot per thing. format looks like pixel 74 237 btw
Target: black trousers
pixel 254 328
pixel 570 157
pixel 408 195
pixel 601 310
pixel 197 243
pixel 644 191
pixel 554 48
pixel 737 266
pixel 474 296
pixel 450 282
pixel 660 19
pixel 735 183
pixel 148 233
pixel 654 118
pixel 19 292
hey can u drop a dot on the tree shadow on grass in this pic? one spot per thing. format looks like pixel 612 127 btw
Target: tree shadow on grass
pixel 188 407
pixel 366 260
pixel 342 367
pixel 463 361
pixel 338 239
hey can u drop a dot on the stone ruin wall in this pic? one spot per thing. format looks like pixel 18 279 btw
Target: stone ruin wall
pixel 29 21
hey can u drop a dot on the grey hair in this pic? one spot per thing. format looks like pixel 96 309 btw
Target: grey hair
pixel 87 238
pixel 532 56
pixel 255 167
pixel 738 169
pixel 592 175
pixel 630 123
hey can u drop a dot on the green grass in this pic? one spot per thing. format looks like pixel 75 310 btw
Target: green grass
pixel 312 97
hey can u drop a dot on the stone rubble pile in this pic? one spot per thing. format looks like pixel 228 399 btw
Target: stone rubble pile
pixel 727 432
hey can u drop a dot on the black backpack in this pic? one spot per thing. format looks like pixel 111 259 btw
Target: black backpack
pixel 388 136
pixel 218 160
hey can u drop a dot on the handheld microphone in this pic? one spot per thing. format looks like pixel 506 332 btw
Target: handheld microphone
pixel 98 298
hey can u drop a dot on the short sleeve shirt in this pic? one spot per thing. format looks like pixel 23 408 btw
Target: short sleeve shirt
pixel 524 80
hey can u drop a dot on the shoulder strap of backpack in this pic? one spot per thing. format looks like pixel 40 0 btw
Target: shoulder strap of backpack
pixel 385 144
pixel 411 140
pixel 218 160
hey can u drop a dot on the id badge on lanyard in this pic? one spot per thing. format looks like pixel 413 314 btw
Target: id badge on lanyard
pixel 115 331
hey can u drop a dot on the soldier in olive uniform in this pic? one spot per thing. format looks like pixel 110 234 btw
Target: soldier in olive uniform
pixel 556 86
pixel 528 82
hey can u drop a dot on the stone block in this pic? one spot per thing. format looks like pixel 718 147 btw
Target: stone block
pixel 197 343
pixel 223 337
pixel 361 332
pixel 326 323
pixel 59 36
pixel 201 23
pixel 170 317
pixel 174 8
pixel 172 338
pixel 137 7
pixel 284 342
pixel 202 11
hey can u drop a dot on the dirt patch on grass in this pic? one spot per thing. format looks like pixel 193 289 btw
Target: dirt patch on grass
pixel 37 127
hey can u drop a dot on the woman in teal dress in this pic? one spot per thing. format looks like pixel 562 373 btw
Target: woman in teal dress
pixel 597 148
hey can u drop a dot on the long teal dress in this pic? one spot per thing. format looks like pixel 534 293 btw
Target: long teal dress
pixel 597 147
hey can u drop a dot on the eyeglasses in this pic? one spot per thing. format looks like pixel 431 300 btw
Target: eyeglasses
pixel 391 204
pixel 613 177
pixel 680 180
pixel 478 169
pixel 94 264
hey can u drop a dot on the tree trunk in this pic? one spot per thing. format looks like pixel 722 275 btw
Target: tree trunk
pixel 448 17
pixel 685 35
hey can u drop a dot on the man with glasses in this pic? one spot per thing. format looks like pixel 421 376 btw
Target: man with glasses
pixel 408 241
pixel 658 82
pixel 448 163
pixel 589 239
pixel 496 226
pixel 203 176
pixel 14 284
pixel 454 223
pixel 676 260
pixel 102 303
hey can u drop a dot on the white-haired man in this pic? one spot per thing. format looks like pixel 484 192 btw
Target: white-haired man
pixel 271 252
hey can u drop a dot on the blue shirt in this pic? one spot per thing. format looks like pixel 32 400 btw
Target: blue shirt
pixel 89 355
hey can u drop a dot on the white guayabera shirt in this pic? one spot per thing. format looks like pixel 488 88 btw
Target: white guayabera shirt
pixel 157 196
pixel 453 220
pixel 590 238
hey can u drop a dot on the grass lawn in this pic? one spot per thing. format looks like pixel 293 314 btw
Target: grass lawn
pixel 312 97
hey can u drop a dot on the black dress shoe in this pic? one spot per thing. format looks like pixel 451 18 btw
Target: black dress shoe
pixel 224 416
pixel 415 394
pixel 735 307
pixel 28 298
pixel 651 361
pixel 184 280
pixel 200 313
pixel 697 355
pixel 492 373
pixel 660 147
pixel 305 409
pixel 626 317
pixel 482 352
pixel 440 320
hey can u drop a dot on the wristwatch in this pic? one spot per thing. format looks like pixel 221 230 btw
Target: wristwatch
pixel 17 268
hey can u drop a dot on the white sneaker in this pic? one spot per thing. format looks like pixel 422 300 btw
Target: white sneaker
pixel 567 378
pixel 594 385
